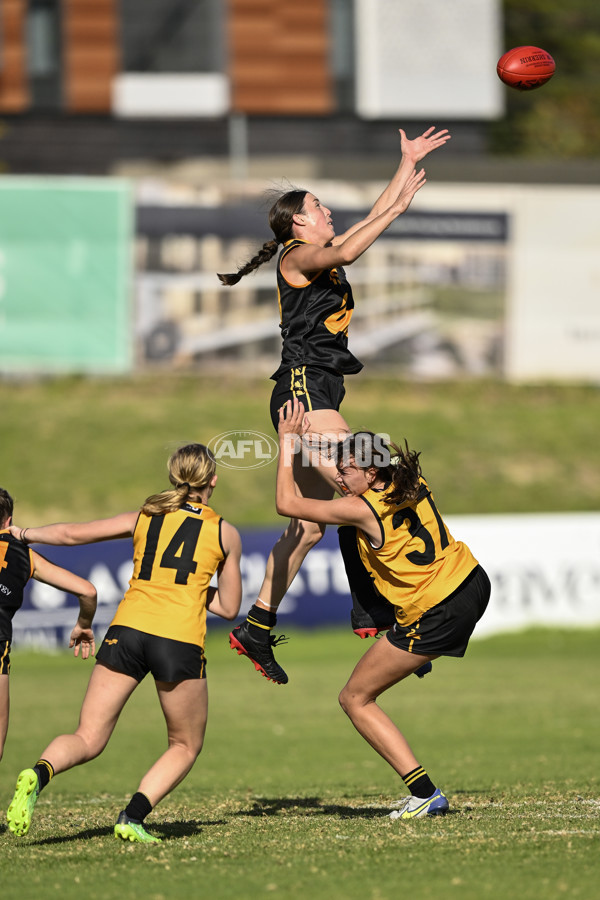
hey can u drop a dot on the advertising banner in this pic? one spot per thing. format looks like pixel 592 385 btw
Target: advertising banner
pixel 545 571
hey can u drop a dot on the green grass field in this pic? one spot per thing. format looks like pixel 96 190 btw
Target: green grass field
pixel 287 800
pixel 81 448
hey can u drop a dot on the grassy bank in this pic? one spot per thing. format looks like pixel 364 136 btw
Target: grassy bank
pixel 80 448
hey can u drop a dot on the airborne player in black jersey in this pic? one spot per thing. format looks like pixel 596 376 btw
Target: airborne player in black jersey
pixel 316 305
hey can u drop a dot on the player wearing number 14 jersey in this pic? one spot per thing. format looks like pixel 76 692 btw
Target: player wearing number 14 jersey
pixel 179 543
pixel 166 599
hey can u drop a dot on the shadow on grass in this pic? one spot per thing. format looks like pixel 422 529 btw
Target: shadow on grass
pixel 264 806
pixel 84 835
pixel 184 829
pixel 167 831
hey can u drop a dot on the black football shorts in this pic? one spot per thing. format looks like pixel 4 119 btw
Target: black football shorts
pixel 317 388
pixel 136 653
pixel 445 629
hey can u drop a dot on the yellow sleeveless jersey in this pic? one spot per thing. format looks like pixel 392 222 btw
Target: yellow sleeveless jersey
pixel 174 558
pixel 417 563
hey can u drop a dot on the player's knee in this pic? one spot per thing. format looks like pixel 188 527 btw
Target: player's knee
pixel 91 746
pixel 312 533
pixel 190 744
pixel 93 750
pixel 354 702
pixel 196 748
pixel 345 700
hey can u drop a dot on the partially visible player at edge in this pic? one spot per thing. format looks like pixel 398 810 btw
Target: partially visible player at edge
pixel 438 589
pixel 316 304
pixel 179 542
pixel 17 565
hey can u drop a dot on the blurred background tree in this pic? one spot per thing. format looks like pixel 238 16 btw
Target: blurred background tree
pixel 563 119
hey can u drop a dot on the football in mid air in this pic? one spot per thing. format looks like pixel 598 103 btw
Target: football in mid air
pixel 525 68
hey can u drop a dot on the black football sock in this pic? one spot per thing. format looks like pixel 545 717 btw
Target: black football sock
pixel 44 771
pixel 419 783
pixel 138 807
pixel 260 621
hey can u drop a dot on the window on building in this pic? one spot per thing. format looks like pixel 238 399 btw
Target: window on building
pixel 43 53
pixel 341 26
pixel 172 35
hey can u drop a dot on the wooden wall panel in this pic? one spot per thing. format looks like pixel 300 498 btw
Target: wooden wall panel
pixel 279 57
pixel 14 90
pixel 91 55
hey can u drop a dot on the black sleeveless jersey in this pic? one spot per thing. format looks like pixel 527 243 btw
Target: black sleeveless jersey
pixel 315 319
pixel 16 568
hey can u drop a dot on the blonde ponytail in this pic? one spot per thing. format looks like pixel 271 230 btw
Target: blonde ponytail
pixel 191 467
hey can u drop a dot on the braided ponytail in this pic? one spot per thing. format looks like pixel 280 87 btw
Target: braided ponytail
pixel 281 221
pixel 266 252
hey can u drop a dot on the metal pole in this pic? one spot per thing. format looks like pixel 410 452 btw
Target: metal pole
pixel 238 146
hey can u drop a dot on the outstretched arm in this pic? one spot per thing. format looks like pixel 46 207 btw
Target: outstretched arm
pixel 412 153
pixel 64 580
pixel 72 533
pixel 308 258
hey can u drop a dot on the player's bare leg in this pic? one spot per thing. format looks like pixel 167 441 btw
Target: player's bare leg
pixel 383 666
pixel 4 710
pixel 185 708
pixel 314 473
pixel 106 695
